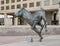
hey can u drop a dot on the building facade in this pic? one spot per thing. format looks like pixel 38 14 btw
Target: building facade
pixel 51 7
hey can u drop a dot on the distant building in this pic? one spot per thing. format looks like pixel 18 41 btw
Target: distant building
pixel 51 7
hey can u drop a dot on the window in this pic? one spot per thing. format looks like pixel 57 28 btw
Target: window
pixel 2 7
pixel 20 20
pixel 1 21
pixel 25 5
pixel 38 4
pixel 55 2
pixel 7 7
pixel 12 1
pixel 18 6
pixel 24 0
pixel 31 5
pixel 13 7
pixel 46 2
pixel 7 1
pixel 2 13
pixel 2 2
pixel 18 0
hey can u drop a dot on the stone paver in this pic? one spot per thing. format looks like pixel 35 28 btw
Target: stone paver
pixel 9 39
pixel 47 41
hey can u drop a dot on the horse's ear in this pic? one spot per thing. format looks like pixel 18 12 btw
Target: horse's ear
pixel 23 8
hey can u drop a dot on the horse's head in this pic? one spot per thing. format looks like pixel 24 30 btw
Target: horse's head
pixel 41 9
pixel 19 12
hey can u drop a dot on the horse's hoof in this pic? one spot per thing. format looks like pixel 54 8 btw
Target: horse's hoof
pixel 40 40
pixel 46 30
pixel 31 40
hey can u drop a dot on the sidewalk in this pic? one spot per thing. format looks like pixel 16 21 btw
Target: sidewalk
pixel 47 41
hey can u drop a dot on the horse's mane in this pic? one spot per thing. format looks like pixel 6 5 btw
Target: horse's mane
pixel 37 12
pixel 26 10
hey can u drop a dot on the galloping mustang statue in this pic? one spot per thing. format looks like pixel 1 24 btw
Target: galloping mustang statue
pixel 34 19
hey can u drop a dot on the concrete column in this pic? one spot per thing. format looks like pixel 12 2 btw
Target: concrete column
pixel 5 16
pixel 42 3
pixel 16 21
pixel 8 22
pixel 58 15
pixel 5 19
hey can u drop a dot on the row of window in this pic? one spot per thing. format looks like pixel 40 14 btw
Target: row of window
pixel 19 6
pixel 46 2
pixel 12 1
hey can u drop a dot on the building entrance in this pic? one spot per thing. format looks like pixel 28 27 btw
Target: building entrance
pixel 54 19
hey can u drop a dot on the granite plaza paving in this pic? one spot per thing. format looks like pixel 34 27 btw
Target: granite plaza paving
pixel 51 40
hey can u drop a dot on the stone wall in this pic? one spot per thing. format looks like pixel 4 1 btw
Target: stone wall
pixel 8 21
pixel 26 30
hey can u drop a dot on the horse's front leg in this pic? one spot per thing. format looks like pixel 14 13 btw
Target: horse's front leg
pixel 41 32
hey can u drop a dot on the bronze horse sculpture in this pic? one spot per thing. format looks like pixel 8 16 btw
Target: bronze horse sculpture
pixel 34 19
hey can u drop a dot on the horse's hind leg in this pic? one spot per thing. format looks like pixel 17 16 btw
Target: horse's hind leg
pixel 45 22
pixel 40 35
pixel 34 28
